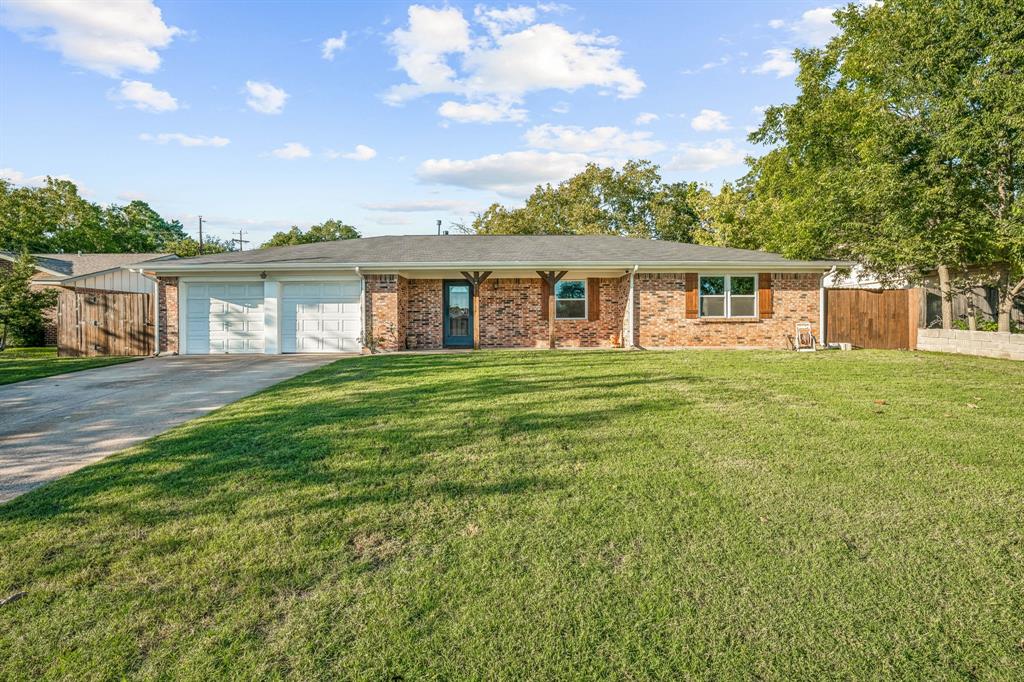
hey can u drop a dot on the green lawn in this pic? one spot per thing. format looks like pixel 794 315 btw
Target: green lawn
pixel 510 515
pixel 19 364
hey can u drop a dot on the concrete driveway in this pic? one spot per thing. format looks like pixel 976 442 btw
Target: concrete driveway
pixel 53 426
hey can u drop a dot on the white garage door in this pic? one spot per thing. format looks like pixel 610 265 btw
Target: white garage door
pixel 320 317
pixel 224 317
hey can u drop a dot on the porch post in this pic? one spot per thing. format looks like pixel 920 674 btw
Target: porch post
pixel 476 279
pixel 551 278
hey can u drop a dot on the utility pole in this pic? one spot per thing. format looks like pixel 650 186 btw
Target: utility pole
pixel 200 235
pixel 241 241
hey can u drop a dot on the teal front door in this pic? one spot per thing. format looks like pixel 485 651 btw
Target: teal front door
pixel 458 314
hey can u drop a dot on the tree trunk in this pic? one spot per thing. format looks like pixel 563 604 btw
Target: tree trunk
pixel 947 297
pixel 1006 296
pixel 972 313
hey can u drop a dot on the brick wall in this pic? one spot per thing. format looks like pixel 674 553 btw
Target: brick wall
pixel 168 314
pixel 408 314
pixel 510 314
pixel 385 315
pixel 424 314
pixel 660 318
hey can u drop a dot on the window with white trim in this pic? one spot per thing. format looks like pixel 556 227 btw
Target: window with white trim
pixel 571 299
pixel 728 295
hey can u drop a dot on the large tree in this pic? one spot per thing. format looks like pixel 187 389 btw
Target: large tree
pixel 327 231
pixel 631 202
pixel 55 218
pixel 904 149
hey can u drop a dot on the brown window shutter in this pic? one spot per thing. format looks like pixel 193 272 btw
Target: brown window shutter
pixel 764 294
pixel 545 293
pixel 692 312
pixel 593 299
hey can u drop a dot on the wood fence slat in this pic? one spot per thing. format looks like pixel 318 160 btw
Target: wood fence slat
pixel 870 318
pixel 104 323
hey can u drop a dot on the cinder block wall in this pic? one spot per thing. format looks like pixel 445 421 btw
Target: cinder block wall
pixel 966 342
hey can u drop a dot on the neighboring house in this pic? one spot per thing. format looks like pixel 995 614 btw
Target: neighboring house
pixel 95 271
pixel 432 292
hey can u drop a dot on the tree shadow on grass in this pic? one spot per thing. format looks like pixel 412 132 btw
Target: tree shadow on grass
pixel 382 430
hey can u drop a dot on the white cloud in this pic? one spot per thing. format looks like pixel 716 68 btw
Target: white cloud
pixel 514 57
pixel 421 48
pixel 605 140
pixel 645 118
pixel 497 21
pixel 709 119
pixel 360 153
pixel 145 97
pixel 814 28
pixel 107 36
pixel 265 98
pixel 482 112
pixel 292 150
pixel 777 61
pixel 332 45
pixel 186 140
pixel 16 177
pixel 512 174
pixel 717 154
pixel 426 205
pixel 561 108
pixel 722 61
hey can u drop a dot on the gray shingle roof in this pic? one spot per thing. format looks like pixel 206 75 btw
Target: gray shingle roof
pixel 497 249
pixel 76 265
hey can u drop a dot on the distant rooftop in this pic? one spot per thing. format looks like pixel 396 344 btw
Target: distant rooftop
pixel 78 264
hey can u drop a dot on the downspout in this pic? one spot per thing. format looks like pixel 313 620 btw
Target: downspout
pixel 632 306
pixel 156 307
pixel 822 332
pixel 362 309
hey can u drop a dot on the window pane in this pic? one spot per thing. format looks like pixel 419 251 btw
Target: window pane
pixel 570 289
pixel 742 306
pixel 742 286
pixel 712 286
pixel 571 309
pixel 712 306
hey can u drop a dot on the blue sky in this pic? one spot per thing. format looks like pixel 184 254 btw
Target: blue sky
pixel 385 115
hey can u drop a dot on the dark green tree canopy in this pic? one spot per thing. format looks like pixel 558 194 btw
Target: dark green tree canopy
pixel 327 231
pixel 55 218
pixel 21 308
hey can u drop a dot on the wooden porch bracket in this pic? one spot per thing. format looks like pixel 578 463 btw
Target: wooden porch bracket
pixel 477 279
pixel 551 278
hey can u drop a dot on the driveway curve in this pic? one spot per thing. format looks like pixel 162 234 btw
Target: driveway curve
pixel 50 427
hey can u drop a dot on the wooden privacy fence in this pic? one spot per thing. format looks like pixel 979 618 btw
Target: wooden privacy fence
pixel 91 322
pixel 872 318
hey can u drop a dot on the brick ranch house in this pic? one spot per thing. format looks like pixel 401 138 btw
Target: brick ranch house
pixel 81 272
pixel 385 294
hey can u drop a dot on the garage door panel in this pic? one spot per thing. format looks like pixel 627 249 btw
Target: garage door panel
pixel 225 318
pixel 320 317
